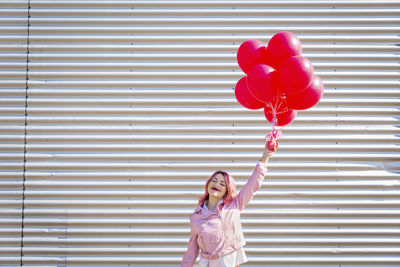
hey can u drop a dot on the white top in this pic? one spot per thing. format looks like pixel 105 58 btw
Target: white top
pixel 231 260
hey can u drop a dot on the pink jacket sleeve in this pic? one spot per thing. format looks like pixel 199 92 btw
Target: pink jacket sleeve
pixel 251 187
pixel 192 251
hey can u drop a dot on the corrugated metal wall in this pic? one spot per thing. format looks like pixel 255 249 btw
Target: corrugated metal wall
pixel 114 113
pixel 13 84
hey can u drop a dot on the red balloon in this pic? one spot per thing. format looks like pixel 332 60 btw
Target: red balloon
pixel 282 46
pixel 309 97
pixel 249 54
pixel 277 86
pixel 296 74
pixel 244 97
pixel 284 114
pixel 259 82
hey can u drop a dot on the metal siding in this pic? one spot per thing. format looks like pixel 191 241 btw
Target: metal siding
pixel 131 107
pixel 13 71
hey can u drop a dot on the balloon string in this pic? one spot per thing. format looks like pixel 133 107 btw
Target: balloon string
pixel 274 135
pixel 280 103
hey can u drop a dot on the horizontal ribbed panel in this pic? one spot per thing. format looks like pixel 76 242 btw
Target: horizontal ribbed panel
pixel 114 113
pixel 13 59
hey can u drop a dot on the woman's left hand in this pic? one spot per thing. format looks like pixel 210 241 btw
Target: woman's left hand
pixel 268 149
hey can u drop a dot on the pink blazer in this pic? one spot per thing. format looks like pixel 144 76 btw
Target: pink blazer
pixel 219 232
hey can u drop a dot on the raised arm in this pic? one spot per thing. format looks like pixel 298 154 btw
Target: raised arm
pixel 254 183
pixel 267 154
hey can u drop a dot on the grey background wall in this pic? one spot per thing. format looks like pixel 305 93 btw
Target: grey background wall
pixel 114 113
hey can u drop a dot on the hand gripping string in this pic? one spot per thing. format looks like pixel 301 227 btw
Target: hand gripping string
pixel 273 137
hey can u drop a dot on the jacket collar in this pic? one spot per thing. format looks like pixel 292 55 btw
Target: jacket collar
pixel 218 204
pixel 204 211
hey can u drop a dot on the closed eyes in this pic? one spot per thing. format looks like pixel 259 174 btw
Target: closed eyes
pixel 215 181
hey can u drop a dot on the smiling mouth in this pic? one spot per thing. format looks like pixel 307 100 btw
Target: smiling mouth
pixel 215 189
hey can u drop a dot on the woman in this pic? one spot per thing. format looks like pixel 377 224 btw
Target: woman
pixel 215 224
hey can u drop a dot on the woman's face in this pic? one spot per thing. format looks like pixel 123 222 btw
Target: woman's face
pixel 217 187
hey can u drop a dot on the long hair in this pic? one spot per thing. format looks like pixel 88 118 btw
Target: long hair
pixel 230 188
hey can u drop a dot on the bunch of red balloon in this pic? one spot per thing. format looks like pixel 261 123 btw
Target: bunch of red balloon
pixel 279 79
